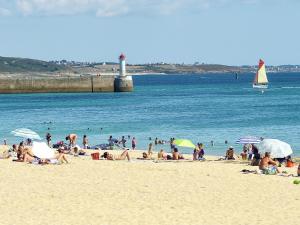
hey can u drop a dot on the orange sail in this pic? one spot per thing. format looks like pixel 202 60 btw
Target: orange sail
pixel 261 75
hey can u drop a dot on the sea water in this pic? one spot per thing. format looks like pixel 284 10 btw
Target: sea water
pixel 202 108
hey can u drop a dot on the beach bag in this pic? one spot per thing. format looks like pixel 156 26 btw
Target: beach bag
pixel 290 164
pixel 95 156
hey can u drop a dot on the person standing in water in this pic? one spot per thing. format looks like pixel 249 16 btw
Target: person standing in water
pixel 123 141
pixel 133 143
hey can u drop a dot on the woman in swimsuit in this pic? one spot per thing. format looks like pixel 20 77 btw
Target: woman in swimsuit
pixel 123 156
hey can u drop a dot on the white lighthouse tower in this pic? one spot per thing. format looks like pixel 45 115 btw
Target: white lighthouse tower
pixel 122 65
pixel 123 83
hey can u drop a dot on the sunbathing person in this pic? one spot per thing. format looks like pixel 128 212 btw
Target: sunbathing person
pixel 77 151
pixel 123 156
pixel 267 165
pixel 145 156
pixel 162 155
pixel 58 159
pixel 230 154
pixel 176 155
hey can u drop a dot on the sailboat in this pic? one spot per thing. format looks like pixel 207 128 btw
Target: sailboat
pixel 260 79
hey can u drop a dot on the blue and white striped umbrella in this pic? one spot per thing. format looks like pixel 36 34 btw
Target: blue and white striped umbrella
pixel 26 133
pixel 248 140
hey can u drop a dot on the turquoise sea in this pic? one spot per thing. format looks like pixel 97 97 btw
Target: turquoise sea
pixel 198 107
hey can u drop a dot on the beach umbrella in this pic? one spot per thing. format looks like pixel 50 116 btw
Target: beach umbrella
pixel 248 140
pixel 42 150
pixel 184 143
pixel 26 133
pixel 277 148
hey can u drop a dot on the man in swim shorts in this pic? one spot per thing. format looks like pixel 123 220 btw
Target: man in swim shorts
pixel 267 165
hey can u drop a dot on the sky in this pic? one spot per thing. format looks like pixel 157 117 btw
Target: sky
pixel 231 32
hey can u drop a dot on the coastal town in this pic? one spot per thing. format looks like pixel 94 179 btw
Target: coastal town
pixel 19 66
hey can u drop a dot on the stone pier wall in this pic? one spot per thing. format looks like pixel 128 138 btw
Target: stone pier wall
pixel 57 84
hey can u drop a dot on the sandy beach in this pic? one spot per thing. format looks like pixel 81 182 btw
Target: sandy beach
pixel 87 191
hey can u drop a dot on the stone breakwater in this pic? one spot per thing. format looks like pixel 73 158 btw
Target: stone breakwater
pixel 65 84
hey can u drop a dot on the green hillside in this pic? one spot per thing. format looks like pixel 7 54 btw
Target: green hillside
pixel 15 65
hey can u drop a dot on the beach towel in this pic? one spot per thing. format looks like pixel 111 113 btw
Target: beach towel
pixel 270 170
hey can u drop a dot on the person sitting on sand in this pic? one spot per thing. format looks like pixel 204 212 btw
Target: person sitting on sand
pixel 72 139
pixel 201 151
pixel 267 165
pixel 196 153
pixel 244 154
pixel 289 162
pixel 176 155
pixel 20 151
pixel 123 156
pixel 13 151
pixel 256 157
pixel 230 154
pixel 78 151
pixel 85 142
pixel 162 155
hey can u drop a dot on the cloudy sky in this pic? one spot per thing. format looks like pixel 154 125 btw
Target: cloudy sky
pixel 233 32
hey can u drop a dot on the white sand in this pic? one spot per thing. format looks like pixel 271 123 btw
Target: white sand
pixel 87 192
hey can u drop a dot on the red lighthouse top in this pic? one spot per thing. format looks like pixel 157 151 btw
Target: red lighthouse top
pixel 122 57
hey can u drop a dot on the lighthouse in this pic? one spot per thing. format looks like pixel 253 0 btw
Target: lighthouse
pixel 123 82
pixel 122 65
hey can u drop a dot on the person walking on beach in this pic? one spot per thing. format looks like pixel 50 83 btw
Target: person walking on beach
pixel 72 139
pixel 133 143
pixel 85 142
pixel 48 138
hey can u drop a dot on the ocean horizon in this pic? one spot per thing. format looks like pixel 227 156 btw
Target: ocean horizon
pixel 202 108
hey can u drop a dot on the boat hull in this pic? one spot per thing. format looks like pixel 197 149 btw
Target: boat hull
pixel 260 86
